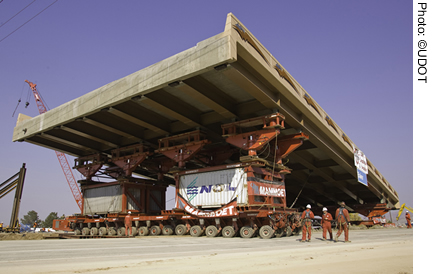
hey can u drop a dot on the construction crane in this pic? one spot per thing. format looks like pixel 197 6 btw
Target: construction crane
pixel 401 209
pixel 60 156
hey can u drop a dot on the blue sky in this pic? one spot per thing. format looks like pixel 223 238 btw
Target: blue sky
pixel 353 57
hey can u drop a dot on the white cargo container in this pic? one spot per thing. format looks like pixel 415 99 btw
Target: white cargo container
pixel 214 188
pixel 108 199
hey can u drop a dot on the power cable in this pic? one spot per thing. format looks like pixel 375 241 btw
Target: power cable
pixel 16 13
pixel 27 21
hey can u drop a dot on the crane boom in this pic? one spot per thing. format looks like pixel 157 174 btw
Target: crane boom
pixel 60 156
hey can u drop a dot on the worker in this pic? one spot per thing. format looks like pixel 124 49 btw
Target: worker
pixel 408 220
pixel 342 218
pixel 1 227
pixel 326 224
pixel 307 217
pixel 35 225
pixel 128 223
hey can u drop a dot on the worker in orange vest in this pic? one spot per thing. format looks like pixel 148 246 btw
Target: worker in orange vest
pixel 128 223
pixel 342 218
pixel 408 220
pixel 326 223
pixel 307 217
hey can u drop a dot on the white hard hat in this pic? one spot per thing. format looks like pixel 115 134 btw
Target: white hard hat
pixel 308 206
pixel 129 212
pixel 325 209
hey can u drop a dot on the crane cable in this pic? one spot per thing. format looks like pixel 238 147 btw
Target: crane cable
pixel 19 101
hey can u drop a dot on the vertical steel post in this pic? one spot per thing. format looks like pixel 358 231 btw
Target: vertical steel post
pixel 17 199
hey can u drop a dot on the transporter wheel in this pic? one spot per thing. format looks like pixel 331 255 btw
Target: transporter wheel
pixel 102 231
pixel 288 231
pixel 279 232
pixel 77 231
pixel 94 231
pixel 155 230
pixel 143 231
pixel 111 231
pixel 246 232
pixel 85 231
pixel 228 232
pixel 180 230
pixel 195 231
pixel 211 231
pixel 168 230
pixel 266 232
pixel 133 231
pixel 121 231
pixel 297 231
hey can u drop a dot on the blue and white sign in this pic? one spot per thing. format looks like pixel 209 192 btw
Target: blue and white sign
pixel 362 168
pixel 360 161
pixel 362 177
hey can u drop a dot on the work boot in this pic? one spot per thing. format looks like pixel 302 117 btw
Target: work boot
pixel 302 241
pixel 309 240
pixel 347 241
pixel 335 239
pixel 323 239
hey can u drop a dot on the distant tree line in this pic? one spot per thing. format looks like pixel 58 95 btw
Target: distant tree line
pixel 32 217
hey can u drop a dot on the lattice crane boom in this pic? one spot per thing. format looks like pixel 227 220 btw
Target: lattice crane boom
pixel 60 156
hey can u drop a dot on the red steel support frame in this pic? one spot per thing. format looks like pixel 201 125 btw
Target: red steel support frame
pixel 181 148
pixel 288 144
pixel 254 140
pixel 89 165
pixel 128 158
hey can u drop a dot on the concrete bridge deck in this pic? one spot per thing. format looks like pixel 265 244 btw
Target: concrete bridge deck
pixel 225 78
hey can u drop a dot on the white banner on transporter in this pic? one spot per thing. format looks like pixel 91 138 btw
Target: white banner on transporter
pixel 227 210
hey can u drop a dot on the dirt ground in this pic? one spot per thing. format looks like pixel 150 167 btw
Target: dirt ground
pixel 25 236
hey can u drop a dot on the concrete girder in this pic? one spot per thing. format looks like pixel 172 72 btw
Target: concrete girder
pixel 125 135
pixel 328 177
pixel 137 121
pixel 200 89
pixel 88 136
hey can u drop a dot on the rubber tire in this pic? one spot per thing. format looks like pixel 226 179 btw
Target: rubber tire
pixel 77 232
pixel 133 231
pixel 246 232
pixel 155 230
pixel 85 231
pixel 288 231
pixel 168 230
pixel 102 231
pixel 94 231
pixel 211 231
pixel 279 232
pixel 143 231
pixel 180 230
pixel 112 231
pixel 228 232
pixel 195 231
pixel 266 232
pixel 121 231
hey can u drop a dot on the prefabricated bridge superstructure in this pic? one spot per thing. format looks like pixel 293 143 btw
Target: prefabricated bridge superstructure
pixel 208 107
